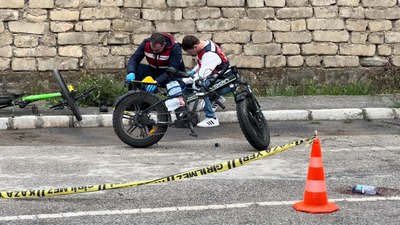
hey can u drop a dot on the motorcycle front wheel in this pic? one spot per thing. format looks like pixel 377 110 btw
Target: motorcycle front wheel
pixel 252 123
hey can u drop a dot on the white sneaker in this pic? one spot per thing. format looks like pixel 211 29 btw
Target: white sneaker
pixel 209 122
pixel 215 105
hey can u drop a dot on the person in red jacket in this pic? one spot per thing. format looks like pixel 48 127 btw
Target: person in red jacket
pixel 161 51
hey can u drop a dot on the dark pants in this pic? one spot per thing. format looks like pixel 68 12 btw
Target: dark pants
pixel 157 74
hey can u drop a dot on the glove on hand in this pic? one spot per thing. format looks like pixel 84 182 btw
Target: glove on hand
pixel 130 77
pixel 151 88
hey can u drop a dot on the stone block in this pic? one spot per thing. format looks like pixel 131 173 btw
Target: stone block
pixel 313 61
pixel 137 39
pixel 72 38
pixel 35 15
pixel 275 61
pixel 262 49
pixel 54 121
pixel 247 61
pixel 340 61
pixel 63 63
pixel 255 3
pixel 319 49
pixel 376 38
pixel 23 64
pixel 325 24
pixel 6 51
pixel 384 25
pixel 8 15
pixel 395 60
pixel 25 41
pixel 232 37
pixel 331 36
pixel 201 13
pixel 71 51
pixel 106 120
pixel 279 25
pixel 379 113
pixel 397 25
pixel 93 3
pixel 96 25
pixel 94 51
pixel 392 37
pixel 261 37
pixel 322 2
pixel 298 25
pixel 60 27
pixel 231 49
pixel 48 40
pixel 380 3
pixel 138 3
pixel 356 25
pixel 292 37
pixel 88 121
pixel 359 37
pixel 251 25
pixel 355 49
pixel 326 12
pixel 275 3
pixel 26 27
pixel 4 64
pixel 164 14
pixel 4 123
pixel 293 114
pixel 234 12
pixel 348 2
pixel 135 26
pixel 24 122
pixel 336 114
pixel 123 50
pixel 396 50
pixel 100 13
pixel 189 61
pixel 64 15
pixel 187 26
pixel 226 3
pixel 384 50
pixel 154 4
pixel 295 13
pixel 185 3
pixel 296 3
pixel 353 13
pixel 295 61
pixel 374 61
pixel 388 14
pixel 40 51
pixel 14 4
pixel 118 39
pixel 116 62
pixel 67 3
pixel 215 24
pixel 261 13
pixel 131 13
pixel 5 39
pixel 290 49
pixel 114 3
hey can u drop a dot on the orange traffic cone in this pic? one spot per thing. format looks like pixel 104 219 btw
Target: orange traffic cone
pixel 315 195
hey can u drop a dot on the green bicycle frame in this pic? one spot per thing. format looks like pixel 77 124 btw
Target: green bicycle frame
pixel 31 98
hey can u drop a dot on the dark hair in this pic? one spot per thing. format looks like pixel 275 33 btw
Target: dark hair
pixel 189 41
pixel 157 38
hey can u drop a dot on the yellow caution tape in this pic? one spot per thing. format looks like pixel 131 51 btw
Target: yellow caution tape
pixel 221 167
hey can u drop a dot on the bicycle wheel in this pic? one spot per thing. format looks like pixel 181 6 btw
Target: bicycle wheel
pixel 138 125
pixel 67 95
pixel 253 124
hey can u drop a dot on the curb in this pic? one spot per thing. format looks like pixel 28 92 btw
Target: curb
pixel 105 120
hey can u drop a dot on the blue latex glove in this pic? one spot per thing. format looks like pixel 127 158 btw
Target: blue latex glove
pixel 191 73
pixel 151 88
pixel 130 77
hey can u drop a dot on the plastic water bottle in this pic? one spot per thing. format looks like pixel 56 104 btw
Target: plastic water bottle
pixel 174 103
pixel 174 88
pixel 364 189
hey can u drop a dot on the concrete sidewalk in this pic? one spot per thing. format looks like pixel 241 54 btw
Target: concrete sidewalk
pixel 275 108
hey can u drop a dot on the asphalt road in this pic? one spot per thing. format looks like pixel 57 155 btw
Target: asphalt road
pixel 263 192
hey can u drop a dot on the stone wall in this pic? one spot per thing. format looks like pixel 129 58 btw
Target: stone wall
pixel 39 35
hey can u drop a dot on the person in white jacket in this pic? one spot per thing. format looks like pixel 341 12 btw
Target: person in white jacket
pixel 210 59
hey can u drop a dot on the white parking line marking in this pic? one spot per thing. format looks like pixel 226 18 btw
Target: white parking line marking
pixel 180 209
